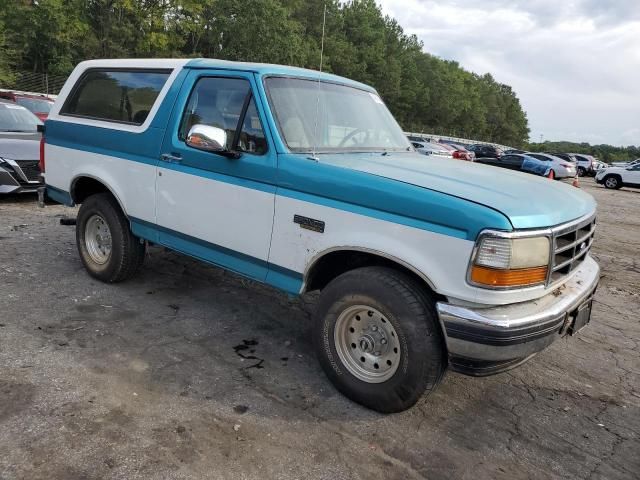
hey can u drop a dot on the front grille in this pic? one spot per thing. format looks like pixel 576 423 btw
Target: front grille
pixel 31 169
pixel 571 243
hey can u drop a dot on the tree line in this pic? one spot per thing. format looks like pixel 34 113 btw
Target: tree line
pixel 605 153
pixel 424 92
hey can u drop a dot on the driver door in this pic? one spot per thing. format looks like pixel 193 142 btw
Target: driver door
pixel 632 175
pixel 211 206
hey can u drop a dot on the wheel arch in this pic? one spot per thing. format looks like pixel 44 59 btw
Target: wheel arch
pixel 84 185
pixel 615 175
pixel 332 262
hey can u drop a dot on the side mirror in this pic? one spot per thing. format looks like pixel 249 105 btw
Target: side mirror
pixel 207 138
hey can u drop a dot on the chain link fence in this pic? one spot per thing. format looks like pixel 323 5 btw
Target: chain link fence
pixel 35 83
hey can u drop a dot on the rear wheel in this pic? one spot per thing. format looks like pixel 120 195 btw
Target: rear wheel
pixel 378 339
pixel 613 182
pixel 108 249
pixel 581 172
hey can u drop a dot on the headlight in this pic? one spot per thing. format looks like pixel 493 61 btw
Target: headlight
pixel 503 262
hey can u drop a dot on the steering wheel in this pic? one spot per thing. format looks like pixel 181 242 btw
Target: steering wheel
pixel 353 134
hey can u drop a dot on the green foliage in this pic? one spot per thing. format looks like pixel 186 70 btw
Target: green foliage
pixel 424 93
pixel 605 153
pixel 6 74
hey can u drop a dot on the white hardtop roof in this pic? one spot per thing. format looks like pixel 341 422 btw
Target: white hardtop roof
pixel 134 62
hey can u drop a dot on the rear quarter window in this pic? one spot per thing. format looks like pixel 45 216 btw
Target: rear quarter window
pixel 121 96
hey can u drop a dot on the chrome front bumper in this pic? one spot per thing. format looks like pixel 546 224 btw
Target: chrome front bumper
pixel 483 341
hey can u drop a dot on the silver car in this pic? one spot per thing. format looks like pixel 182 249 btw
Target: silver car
pixel 560 168
pixel 428 148
pixel 19 149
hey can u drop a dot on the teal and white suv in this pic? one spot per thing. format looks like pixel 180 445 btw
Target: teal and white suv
pixel 304 181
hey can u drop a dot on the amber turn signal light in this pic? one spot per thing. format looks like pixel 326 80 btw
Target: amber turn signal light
pixel 521 277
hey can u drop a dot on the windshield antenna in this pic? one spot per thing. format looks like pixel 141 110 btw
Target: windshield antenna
pixel 324 21
pixel 315 133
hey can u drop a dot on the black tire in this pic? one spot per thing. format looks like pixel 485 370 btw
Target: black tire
pixel 127 251
pixel 409 308
pixel 581 172
pixel 612 182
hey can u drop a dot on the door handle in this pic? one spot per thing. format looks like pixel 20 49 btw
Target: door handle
pixel 171 158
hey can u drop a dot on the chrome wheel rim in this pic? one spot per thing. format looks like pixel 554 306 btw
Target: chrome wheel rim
pixel 367 344
pixel 611 182
pixel 97 239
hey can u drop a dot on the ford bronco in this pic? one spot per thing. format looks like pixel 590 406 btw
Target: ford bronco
pixel 304 181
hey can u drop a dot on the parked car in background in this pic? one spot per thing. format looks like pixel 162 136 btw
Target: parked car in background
pixel 585 164
pixel 520 162
pixel 513 151
pixel 569 157
pixel 598 165
pixel 19 149
pixel 618 177
pixel 558 167
pixel 457 152
pixel 486 151
pixel 429 148
pixel 39 105
pixel 625 164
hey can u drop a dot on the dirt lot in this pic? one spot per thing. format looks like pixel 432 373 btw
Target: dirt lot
pixel 151 378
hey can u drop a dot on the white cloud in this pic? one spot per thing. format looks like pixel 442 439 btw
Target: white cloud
pixel 575 65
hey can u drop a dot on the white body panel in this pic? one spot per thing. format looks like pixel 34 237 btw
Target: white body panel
pixel 228 215
pixel 440 259
pixel 632 176
pixel 133 183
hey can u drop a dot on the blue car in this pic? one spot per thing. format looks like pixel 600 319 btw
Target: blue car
pixel 522 162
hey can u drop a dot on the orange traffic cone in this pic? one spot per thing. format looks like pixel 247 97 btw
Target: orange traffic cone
pixel 551 175
pixel 576 182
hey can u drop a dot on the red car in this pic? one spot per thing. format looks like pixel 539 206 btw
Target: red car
pixel 459 153
pixel 40 105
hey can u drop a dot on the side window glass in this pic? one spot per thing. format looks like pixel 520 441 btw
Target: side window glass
pixel 123 96
pixel 216 102
pixel 251 139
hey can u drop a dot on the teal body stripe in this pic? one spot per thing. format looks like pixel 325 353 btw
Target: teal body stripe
pixel 246 265
pixel 59 196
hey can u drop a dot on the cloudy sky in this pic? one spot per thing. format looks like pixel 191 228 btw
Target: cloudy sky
pixel 575 64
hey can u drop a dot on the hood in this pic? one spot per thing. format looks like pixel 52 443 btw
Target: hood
pixel 527 200
pixel 25 148
pixel 605 170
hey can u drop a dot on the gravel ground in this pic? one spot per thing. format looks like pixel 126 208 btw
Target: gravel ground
pixel 190 372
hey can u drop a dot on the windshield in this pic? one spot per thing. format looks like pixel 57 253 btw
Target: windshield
pixel 321 117
pixel 35 104
pixel 14 118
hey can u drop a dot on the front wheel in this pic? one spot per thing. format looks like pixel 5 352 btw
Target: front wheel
pixel 378 339
pixel 612 182
pixel 108 249
pixel 581 172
